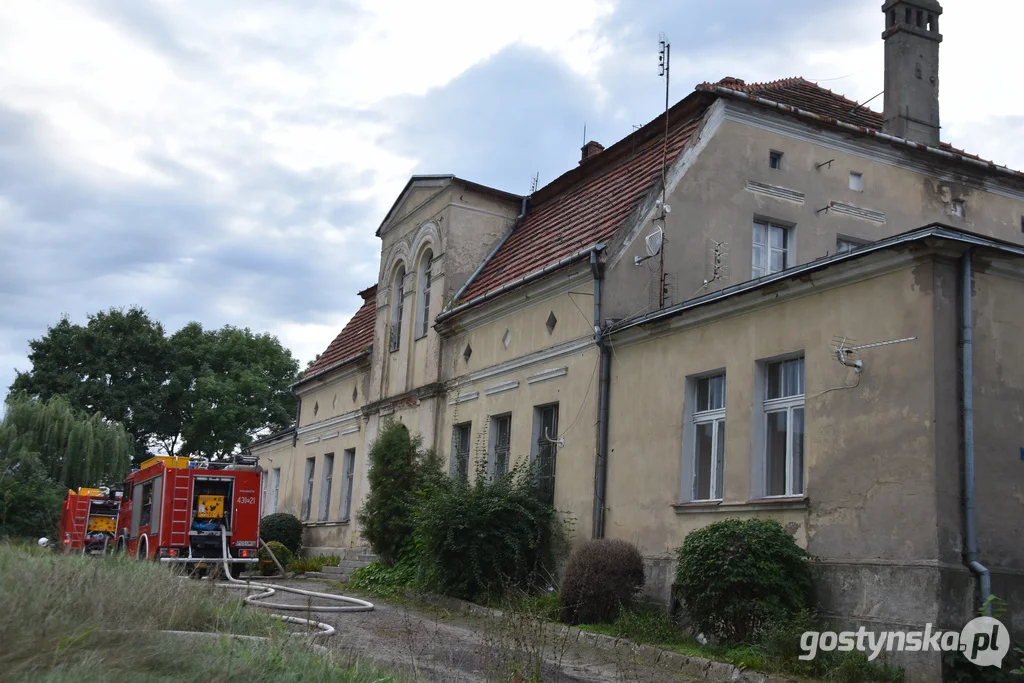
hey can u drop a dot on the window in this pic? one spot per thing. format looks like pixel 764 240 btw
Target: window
pixel 784 427
pixel 460 451
pixel 307 489
pixel 397 304
pixel 426 272
pixel 501 439
pixel 775 160
pixel 275 486
pixel 771 248
pixel 325 487
pixel 348 473
pixel 845 244
pixel 959 208
pixel 709 437
pixel 856 182
pixel 545 429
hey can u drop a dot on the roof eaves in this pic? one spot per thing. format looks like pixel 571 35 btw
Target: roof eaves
pixel 519 282
pixel 408 185
pixel 932 230
pixel 345 361
pixel 862 130
pixel 272 437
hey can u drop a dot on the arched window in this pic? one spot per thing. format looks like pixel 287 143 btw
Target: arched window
pixel 398 300
pixel 423 312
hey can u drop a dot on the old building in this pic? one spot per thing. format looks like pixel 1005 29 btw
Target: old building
pixel 666 331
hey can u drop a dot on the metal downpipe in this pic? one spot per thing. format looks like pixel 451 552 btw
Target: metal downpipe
pixel 967 409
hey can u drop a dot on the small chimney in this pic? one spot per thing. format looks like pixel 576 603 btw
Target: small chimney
pixel 732 82
pixel 590 149
pixel 912 40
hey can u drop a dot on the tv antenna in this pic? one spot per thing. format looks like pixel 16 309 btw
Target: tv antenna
pixel 845 351
pixel 536 181
pixel 664 62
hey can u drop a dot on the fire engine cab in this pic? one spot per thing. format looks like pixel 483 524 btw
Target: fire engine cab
pixel 176 510
pixel 88 521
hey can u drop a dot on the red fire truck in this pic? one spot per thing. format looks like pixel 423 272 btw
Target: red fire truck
pixel 175 510
pixel 88 521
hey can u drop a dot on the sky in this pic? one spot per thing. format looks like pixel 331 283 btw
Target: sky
pixel 229 162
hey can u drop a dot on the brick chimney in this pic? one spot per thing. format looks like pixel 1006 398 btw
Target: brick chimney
pixel 590 149
pixel 912 40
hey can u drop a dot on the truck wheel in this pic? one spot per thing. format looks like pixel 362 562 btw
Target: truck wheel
pixel 236 569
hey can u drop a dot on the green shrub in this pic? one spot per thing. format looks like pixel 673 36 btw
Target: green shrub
pixel 602 577
pixel 281 552
pixel 387 518
pixel 544 605
pixel 737 577
pixel 300 565
pixel 383 582
pixel 284 528
pixel 483 539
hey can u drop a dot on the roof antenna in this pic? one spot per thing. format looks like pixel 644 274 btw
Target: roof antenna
pixel 536 180
pixel 664 59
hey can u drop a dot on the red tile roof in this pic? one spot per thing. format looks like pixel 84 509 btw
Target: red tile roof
pixel 589 203
pixel 354 338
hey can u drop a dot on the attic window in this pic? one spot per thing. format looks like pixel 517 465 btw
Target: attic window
pixel 856 182
pixel 355 394
pixel 316 408
pixel 467 353
pixel 552 321
pixel 959 208
pixel 507 339
pixel 775 160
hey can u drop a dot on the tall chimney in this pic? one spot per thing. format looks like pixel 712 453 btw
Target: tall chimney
pixel 912 69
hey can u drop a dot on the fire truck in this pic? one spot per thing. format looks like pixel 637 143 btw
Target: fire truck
pixel 176 510
pixel 88 521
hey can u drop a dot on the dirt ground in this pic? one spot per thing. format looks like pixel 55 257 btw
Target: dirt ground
pixel 429 644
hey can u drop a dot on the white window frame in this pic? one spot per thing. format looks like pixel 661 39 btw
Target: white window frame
pixel 762 267
pixel 326 484
pixel 854 244
pixel 426 272
pixel 856 181
pixel 348 464
pixel 307 489
pixel 714 417
pixel 775 156
pixel 786 404
pixel 275 487
pixel 492 447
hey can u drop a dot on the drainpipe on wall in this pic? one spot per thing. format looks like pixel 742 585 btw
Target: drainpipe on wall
pixel 967 407
pixel 601 457
pixel 298 413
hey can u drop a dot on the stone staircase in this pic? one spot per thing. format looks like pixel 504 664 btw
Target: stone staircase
pixel 351 560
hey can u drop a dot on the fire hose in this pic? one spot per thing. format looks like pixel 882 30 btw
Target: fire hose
pixel 269 589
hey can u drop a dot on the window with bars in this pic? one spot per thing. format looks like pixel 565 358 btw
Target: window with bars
pixel 460 451
pixel 545 420
pixel 501 439
pixel 709 437
pixel 348 467
pixel 325 487
pixel 771 247
pixel 307 488
pixel 784 427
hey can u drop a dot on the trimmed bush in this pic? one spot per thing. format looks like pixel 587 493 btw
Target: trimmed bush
pixel 602 577
pixel 281 552
pixel 736 578
pixel 284 528
pixel 483 539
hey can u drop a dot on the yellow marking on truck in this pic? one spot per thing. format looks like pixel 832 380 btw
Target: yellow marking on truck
pixel 211 507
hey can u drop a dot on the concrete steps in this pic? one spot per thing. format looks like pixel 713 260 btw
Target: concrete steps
pixel 351 560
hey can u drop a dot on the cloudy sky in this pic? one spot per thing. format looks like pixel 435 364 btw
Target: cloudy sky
pixel 229 161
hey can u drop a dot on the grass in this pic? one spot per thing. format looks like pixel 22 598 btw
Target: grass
pixel 301 565
pixel 75 618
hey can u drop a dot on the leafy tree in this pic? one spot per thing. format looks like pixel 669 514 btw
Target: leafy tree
pixel 29 500
pixel 227 386
pixel 72 449
pixel 387 519
pixel 115 365
pixel 196 392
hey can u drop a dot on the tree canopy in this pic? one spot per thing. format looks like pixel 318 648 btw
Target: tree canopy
pixel 196 392
pixel 46 447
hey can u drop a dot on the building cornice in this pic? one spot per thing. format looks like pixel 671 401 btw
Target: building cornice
pixel 535 358
pixel 340 421
pixel 303 386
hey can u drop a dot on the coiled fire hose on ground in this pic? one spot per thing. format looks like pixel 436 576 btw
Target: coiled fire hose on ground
pixel 269 589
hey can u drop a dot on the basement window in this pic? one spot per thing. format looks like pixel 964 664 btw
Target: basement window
pixel 856 182
pixel 775 160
